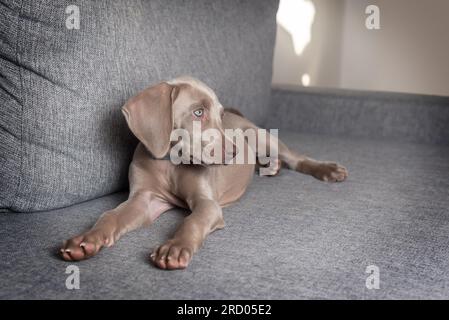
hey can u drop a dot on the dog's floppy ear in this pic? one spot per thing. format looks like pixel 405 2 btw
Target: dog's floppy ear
pixel 149 116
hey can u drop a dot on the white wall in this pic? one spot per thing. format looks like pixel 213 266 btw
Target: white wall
pixel 410 53
pixel 321 57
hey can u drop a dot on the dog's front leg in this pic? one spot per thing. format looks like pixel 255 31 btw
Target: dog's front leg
pixel 141 208
pixel 177 252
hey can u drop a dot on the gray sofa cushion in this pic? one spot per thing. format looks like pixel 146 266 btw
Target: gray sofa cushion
pixel 383 115
pixel 289 237
pixel 62 137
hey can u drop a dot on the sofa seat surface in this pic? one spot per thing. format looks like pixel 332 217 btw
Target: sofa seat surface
pixel 289 237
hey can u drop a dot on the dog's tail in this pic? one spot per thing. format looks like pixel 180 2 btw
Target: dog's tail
pixel 234 111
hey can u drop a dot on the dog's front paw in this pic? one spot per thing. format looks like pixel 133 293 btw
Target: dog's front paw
pixel 330 172
pixel 84 246
pixel 174 254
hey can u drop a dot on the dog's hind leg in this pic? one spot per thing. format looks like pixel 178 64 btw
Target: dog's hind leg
pixel 322 170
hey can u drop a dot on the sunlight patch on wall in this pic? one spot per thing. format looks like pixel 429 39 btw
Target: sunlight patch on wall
pixel 296 17
pixel 305 80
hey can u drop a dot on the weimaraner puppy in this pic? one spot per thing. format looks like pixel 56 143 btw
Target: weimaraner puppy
pixel 157 185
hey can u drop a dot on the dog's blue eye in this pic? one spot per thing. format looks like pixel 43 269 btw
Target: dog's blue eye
pixel 198 113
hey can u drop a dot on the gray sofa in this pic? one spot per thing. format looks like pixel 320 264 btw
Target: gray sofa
pixel 65 150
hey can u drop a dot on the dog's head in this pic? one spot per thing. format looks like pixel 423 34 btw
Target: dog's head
pixel 183 103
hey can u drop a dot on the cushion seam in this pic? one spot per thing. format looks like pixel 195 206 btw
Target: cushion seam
pixel 14 201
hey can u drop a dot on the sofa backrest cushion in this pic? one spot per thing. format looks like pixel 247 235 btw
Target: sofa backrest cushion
pixel 63 138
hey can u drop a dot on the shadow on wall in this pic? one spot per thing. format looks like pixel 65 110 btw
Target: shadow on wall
pixel 308 43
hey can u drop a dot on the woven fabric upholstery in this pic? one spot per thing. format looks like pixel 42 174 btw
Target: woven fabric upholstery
pixel 63 139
